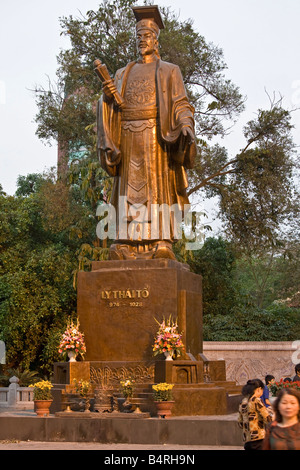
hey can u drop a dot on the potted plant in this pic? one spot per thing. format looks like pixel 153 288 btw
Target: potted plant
pixel 42 397
pixel 168 340
pixel 163 399
pixel 127 388
pixel 72 342
pixel 83 387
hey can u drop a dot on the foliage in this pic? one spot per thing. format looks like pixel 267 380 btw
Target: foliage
pixel 215 98
pixel 37 260
pixel 261 199
pixel 257 275
pixel 25 377
pixel 275 323
pixel 287 268
pixel 162 392
pixel 42 390
pixel 216 262
pixel 30 184
pixel 242 296
pixel 271 276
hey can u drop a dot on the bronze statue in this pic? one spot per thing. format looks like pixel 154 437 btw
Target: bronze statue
pixel 146 140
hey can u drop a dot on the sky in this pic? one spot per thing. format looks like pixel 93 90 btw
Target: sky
pixel 260 40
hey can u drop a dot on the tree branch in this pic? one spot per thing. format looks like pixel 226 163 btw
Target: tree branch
pixel 215 175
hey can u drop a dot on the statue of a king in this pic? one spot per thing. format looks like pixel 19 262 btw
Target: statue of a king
pixel 146 143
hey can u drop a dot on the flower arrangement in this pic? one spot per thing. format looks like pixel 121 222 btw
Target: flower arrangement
pixel 72 340
pixel 42 390
pixel 277 386
pixel 127 388
pixel 83 387
pixel 167 338
pixel 162 392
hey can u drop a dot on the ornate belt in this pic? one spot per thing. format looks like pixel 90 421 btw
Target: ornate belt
pixel 138 114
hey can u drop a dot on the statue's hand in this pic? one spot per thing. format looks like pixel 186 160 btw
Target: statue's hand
pixel 188 135
pixel 109 88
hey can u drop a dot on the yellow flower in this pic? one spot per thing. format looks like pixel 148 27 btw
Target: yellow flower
pixel 162 391
pixel 162 387
pixel 43 384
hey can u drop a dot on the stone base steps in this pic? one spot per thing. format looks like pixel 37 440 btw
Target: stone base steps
pixel 190 430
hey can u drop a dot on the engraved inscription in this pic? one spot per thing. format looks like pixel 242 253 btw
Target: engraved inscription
pixel 116 298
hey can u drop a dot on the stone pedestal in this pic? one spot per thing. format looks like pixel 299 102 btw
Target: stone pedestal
pixel 179 372
pixel 119 305
pixel 119 301
pixel 66 372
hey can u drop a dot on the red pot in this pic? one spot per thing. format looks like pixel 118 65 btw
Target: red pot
pixel 164 408
pixel 42 407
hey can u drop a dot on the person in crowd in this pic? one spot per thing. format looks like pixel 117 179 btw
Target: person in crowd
pixel 284 432
pixel 269 379
pixel 296 378
pixel 253 415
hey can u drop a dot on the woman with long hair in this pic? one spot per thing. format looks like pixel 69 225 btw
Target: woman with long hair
pixel 284 432
pixel 253 415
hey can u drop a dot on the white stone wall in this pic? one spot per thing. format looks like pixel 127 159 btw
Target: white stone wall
pixel 253 359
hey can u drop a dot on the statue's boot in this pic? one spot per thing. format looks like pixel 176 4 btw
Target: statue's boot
pixel 164 250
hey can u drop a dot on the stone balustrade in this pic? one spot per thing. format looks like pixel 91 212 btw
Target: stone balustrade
pixel 15 396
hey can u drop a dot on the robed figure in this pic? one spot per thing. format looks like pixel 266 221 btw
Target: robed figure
pixel 146 144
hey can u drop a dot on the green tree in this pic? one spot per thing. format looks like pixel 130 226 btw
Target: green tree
pixel 38 257
pixel 270 277
pixel 29 184
pixel 271 324
pixel 216 261
pixel 287 282
pixel 262 196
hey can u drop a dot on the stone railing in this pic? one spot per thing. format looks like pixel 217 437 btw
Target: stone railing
pixel 14 396
pixel 254 359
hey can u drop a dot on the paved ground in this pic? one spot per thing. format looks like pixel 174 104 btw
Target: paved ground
pixel 34 445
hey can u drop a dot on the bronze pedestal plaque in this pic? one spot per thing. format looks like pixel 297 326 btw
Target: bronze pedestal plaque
pixel 119 301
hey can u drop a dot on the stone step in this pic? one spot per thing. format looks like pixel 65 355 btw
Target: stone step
pixel 142 389
pixel 230 386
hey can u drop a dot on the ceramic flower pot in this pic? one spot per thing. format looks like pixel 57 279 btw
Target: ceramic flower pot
pixel 164 408
pixel 169 355
pixel 72 356
pixel 42 407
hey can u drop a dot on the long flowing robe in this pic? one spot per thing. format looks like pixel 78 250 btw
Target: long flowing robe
pixel 142 145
